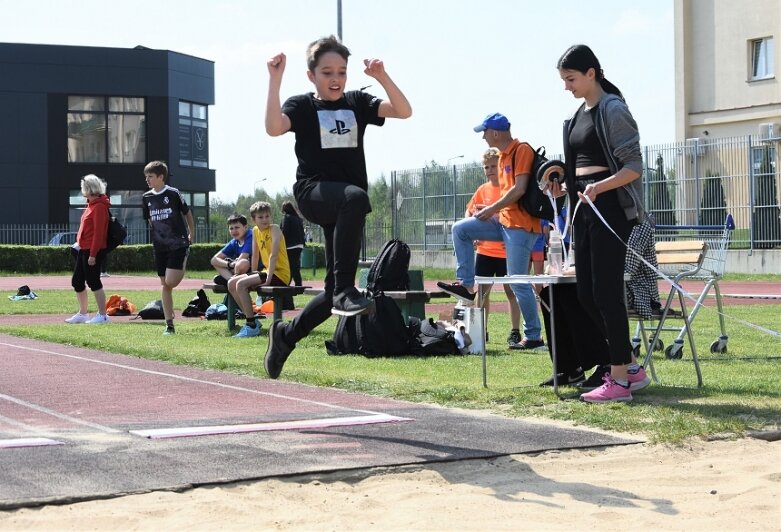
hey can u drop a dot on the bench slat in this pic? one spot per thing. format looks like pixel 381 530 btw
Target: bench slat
pixel 678 258
pixel 682 245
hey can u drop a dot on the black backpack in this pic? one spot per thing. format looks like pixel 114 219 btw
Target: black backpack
pixel 379 334
pixel 151 311
pixel 117 233
pixel 390 270
pixel 432 338
pixel 535 201
pixel 197 305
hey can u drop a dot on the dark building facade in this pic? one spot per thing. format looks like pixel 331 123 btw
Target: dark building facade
pixel 68 111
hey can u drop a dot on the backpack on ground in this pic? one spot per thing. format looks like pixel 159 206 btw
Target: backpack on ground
pixel 379 334
pixel 197 305
pixel 116 234
pixel 217 311
pixel 390 269
pixel 432 338
pixel 117 305
pixel 534 201
pixel 151 311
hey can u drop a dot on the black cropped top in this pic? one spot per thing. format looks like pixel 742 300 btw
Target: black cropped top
pixel 584 141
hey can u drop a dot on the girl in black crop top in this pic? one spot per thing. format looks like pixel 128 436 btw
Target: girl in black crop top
pixel 597 170
pixel 583 139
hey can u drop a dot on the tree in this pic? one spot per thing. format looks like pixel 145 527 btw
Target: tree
pixel 713 208
pixel 659 196
pixel 766 218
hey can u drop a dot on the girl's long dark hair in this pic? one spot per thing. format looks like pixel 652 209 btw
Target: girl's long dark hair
pixel 580 57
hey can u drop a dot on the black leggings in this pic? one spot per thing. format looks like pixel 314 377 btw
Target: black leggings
pixel 599 267
pixel 294 258
pixel 83 273
pixel 340 209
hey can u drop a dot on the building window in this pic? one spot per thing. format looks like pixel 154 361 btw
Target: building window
pixel 193 135
pixel 762 58
pixel 106 129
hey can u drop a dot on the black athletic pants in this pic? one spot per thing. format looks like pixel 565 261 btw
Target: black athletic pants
pixel 340 209
pixel 599 267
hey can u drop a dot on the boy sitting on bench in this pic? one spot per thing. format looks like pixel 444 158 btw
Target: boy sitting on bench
pixel 234 258
pixel 269 249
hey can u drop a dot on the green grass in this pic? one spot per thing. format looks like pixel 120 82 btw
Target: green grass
pixel 742 388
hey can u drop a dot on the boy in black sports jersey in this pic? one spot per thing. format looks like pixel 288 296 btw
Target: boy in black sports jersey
pixel 331 179
pixel 166 212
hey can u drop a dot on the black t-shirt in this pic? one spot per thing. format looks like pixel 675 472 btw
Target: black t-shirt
pixel 165 209
pixel 329 135
pixel 583 139
pixel 293 230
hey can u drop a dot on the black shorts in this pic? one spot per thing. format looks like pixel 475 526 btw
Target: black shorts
pixel 170 259
pixel 486 266
pixel 275 281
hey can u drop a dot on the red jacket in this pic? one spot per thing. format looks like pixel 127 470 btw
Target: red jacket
pixel 94 225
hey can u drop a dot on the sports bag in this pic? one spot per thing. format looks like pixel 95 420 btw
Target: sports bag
pixel 116 234
pixel 433 338
pixel 151 311
pixel 390 270
pixel 379 334
pixel 534 201
pixel 197 306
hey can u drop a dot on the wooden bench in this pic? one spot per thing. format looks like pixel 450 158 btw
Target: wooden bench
pixel 277 293
pixel 678 260
pixel 409 301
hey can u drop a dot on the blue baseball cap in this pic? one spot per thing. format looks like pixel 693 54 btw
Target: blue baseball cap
pixel 495 121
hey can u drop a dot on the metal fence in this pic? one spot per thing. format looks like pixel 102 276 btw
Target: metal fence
pixel 62 234
pixel 696 182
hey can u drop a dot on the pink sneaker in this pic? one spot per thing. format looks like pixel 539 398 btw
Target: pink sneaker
pixel 638 380
pixel 607 393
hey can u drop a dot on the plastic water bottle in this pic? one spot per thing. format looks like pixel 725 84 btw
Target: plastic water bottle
pixel 555 253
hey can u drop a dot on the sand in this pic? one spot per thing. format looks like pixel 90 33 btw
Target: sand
pixel 719 485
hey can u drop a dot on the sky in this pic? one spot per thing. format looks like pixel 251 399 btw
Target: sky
pixel 456 61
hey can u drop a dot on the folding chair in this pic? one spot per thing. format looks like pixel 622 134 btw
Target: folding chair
pixel 694 252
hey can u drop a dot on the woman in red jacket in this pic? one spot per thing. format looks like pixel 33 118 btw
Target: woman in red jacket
pixel 90 243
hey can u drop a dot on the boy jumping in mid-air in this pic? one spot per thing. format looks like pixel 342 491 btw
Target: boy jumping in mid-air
pixel 269 249
pixel 331 180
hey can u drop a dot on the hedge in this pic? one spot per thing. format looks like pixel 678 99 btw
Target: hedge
pixel 129 258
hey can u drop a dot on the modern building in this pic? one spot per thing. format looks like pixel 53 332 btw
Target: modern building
pixel 727 68
pixel 68 111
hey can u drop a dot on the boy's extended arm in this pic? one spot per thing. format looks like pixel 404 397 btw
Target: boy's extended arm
pixel 276 242
pixel 277 123
pixel 190 225
pixel 396 106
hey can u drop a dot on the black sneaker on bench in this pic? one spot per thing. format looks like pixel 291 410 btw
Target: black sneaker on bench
pixel 350 302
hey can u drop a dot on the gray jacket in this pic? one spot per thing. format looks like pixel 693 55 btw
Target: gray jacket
pixel 620 140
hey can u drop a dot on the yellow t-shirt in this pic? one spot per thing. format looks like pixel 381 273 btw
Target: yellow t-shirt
pixel 262 242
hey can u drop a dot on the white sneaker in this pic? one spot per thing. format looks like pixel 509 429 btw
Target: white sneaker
pixel 99 318
pixel 78 318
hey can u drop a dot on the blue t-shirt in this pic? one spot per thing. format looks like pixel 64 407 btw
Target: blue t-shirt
pixel 233 249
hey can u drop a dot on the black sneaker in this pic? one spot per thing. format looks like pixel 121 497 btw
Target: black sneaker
pixel 529 345
pixel 350 302
pixel 220 280
pixel 596 378
pixel 456 289
pixel 277 351
pixel 514 338
pixel 565 379
pixel 169 330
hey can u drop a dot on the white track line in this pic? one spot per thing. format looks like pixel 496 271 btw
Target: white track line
pixel 56 414
pixel 303 424
pixel 28 442
pixel 191 379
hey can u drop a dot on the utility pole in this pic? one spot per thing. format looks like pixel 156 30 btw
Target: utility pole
pixel 339 19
